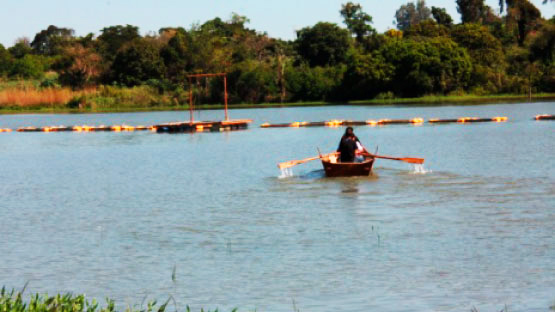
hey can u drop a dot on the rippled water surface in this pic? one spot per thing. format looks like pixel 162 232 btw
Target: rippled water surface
pixel 113 214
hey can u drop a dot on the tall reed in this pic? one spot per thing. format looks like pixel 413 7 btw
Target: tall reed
pixel 35 97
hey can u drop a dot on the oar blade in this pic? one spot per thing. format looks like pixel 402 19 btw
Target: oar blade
pixel 291 163
pixel 287 164
pixel 416 161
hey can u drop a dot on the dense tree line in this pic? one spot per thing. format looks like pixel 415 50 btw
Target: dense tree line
pixel 512 51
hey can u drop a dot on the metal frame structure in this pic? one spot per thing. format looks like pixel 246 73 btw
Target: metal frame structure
pixel 191 105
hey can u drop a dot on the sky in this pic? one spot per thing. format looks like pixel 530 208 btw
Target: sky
pixel 281 18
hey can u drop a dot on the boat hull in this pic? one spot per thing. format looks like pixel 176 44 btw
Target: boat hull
pixel 338 169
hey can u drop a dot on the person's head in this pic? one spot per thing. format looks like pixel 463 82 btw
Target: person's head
pixel 349 132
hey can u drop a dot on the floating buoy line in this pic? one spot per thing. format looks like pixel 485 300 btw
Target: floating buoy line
pixel 381 122
pixel 545 117
pixel 242 124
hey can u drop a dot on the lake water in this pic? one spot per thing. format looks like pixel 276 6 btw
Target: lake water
pixel 116 214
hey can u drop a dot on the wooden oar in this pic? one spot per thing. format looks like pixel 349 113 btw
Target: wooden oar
pixel 291 163
pixel 410 160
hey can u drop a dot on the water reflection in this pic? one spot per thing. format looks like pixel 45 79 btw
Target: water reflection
pixel 349 187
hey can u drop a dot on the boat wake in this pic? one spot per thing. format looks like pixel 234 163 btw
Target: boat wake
pixel 419 169
pixel 286 173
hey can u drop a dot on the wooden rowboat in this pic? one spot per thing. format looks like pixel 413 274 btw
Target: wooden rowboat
pixel 333 168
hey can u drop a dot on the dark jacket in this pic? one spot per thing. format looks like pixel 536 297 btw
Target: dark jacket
pixel 347 148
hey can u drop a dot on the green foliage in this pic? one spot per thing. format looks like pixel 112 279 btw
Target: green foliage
pixel 442 17
pixel 13 302
pixel 482 46
pixel 542 46
pixel 486 54
pixel 471 11
pixel 78 67
pixel 29 67
pixel 366 75
pixel 115 37
pixel 427 28
pixel 525 14
pixel 411 14
pixel 6 61
pixel 50 81
pixel 313 83
pixel 357 21
pixel 52 40
pixel 510 2
pixel 253 83
pixel 323 44
pixel 122 98
pixel 177 56
pixel 436 65
pixel 138 62
pixel 20 49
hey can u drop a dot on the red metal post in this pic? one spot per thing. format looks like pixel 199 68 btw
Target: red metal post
pixel 190 77
pixel 191 117
pixel 225 97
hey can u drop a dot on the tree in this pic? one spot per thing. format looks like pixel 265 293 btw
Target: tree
pixel 442 17
pixel 6 61
pixel 211 52
pixel 306 83
pixel 428 28
pixel 357 21
pixel 86 41
pixel 323 44
pixel 483 47
pixel 177 56
pixel 486 52
pixel 30 67
pixel 410 14
pixel 366 75
pixel 282 61
pixel 52 40
pixel 21 48
pixel 435 65
pixel 502 3
pixel 542 46
pixel 254 82
pixel 115 37
pixel 472 11
pixel 524 14
pixel 82 66
pixel 137 62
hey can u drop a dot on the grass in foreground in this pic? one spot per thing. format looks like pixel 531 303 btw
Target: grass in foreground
pixel 13 302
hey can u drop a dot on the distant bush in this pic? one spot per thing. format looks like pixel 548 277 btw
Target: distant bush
pixel 114 97
pixel 50 81
pixel 385 96
pixel 30 66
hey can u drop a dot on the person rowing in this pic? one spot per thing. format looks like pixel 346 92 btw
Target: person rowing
pixel 349 146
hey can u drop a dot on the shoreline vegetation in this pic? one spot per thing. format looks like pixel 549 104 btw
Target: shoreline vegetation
pixel 25 98
pixel 429 59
